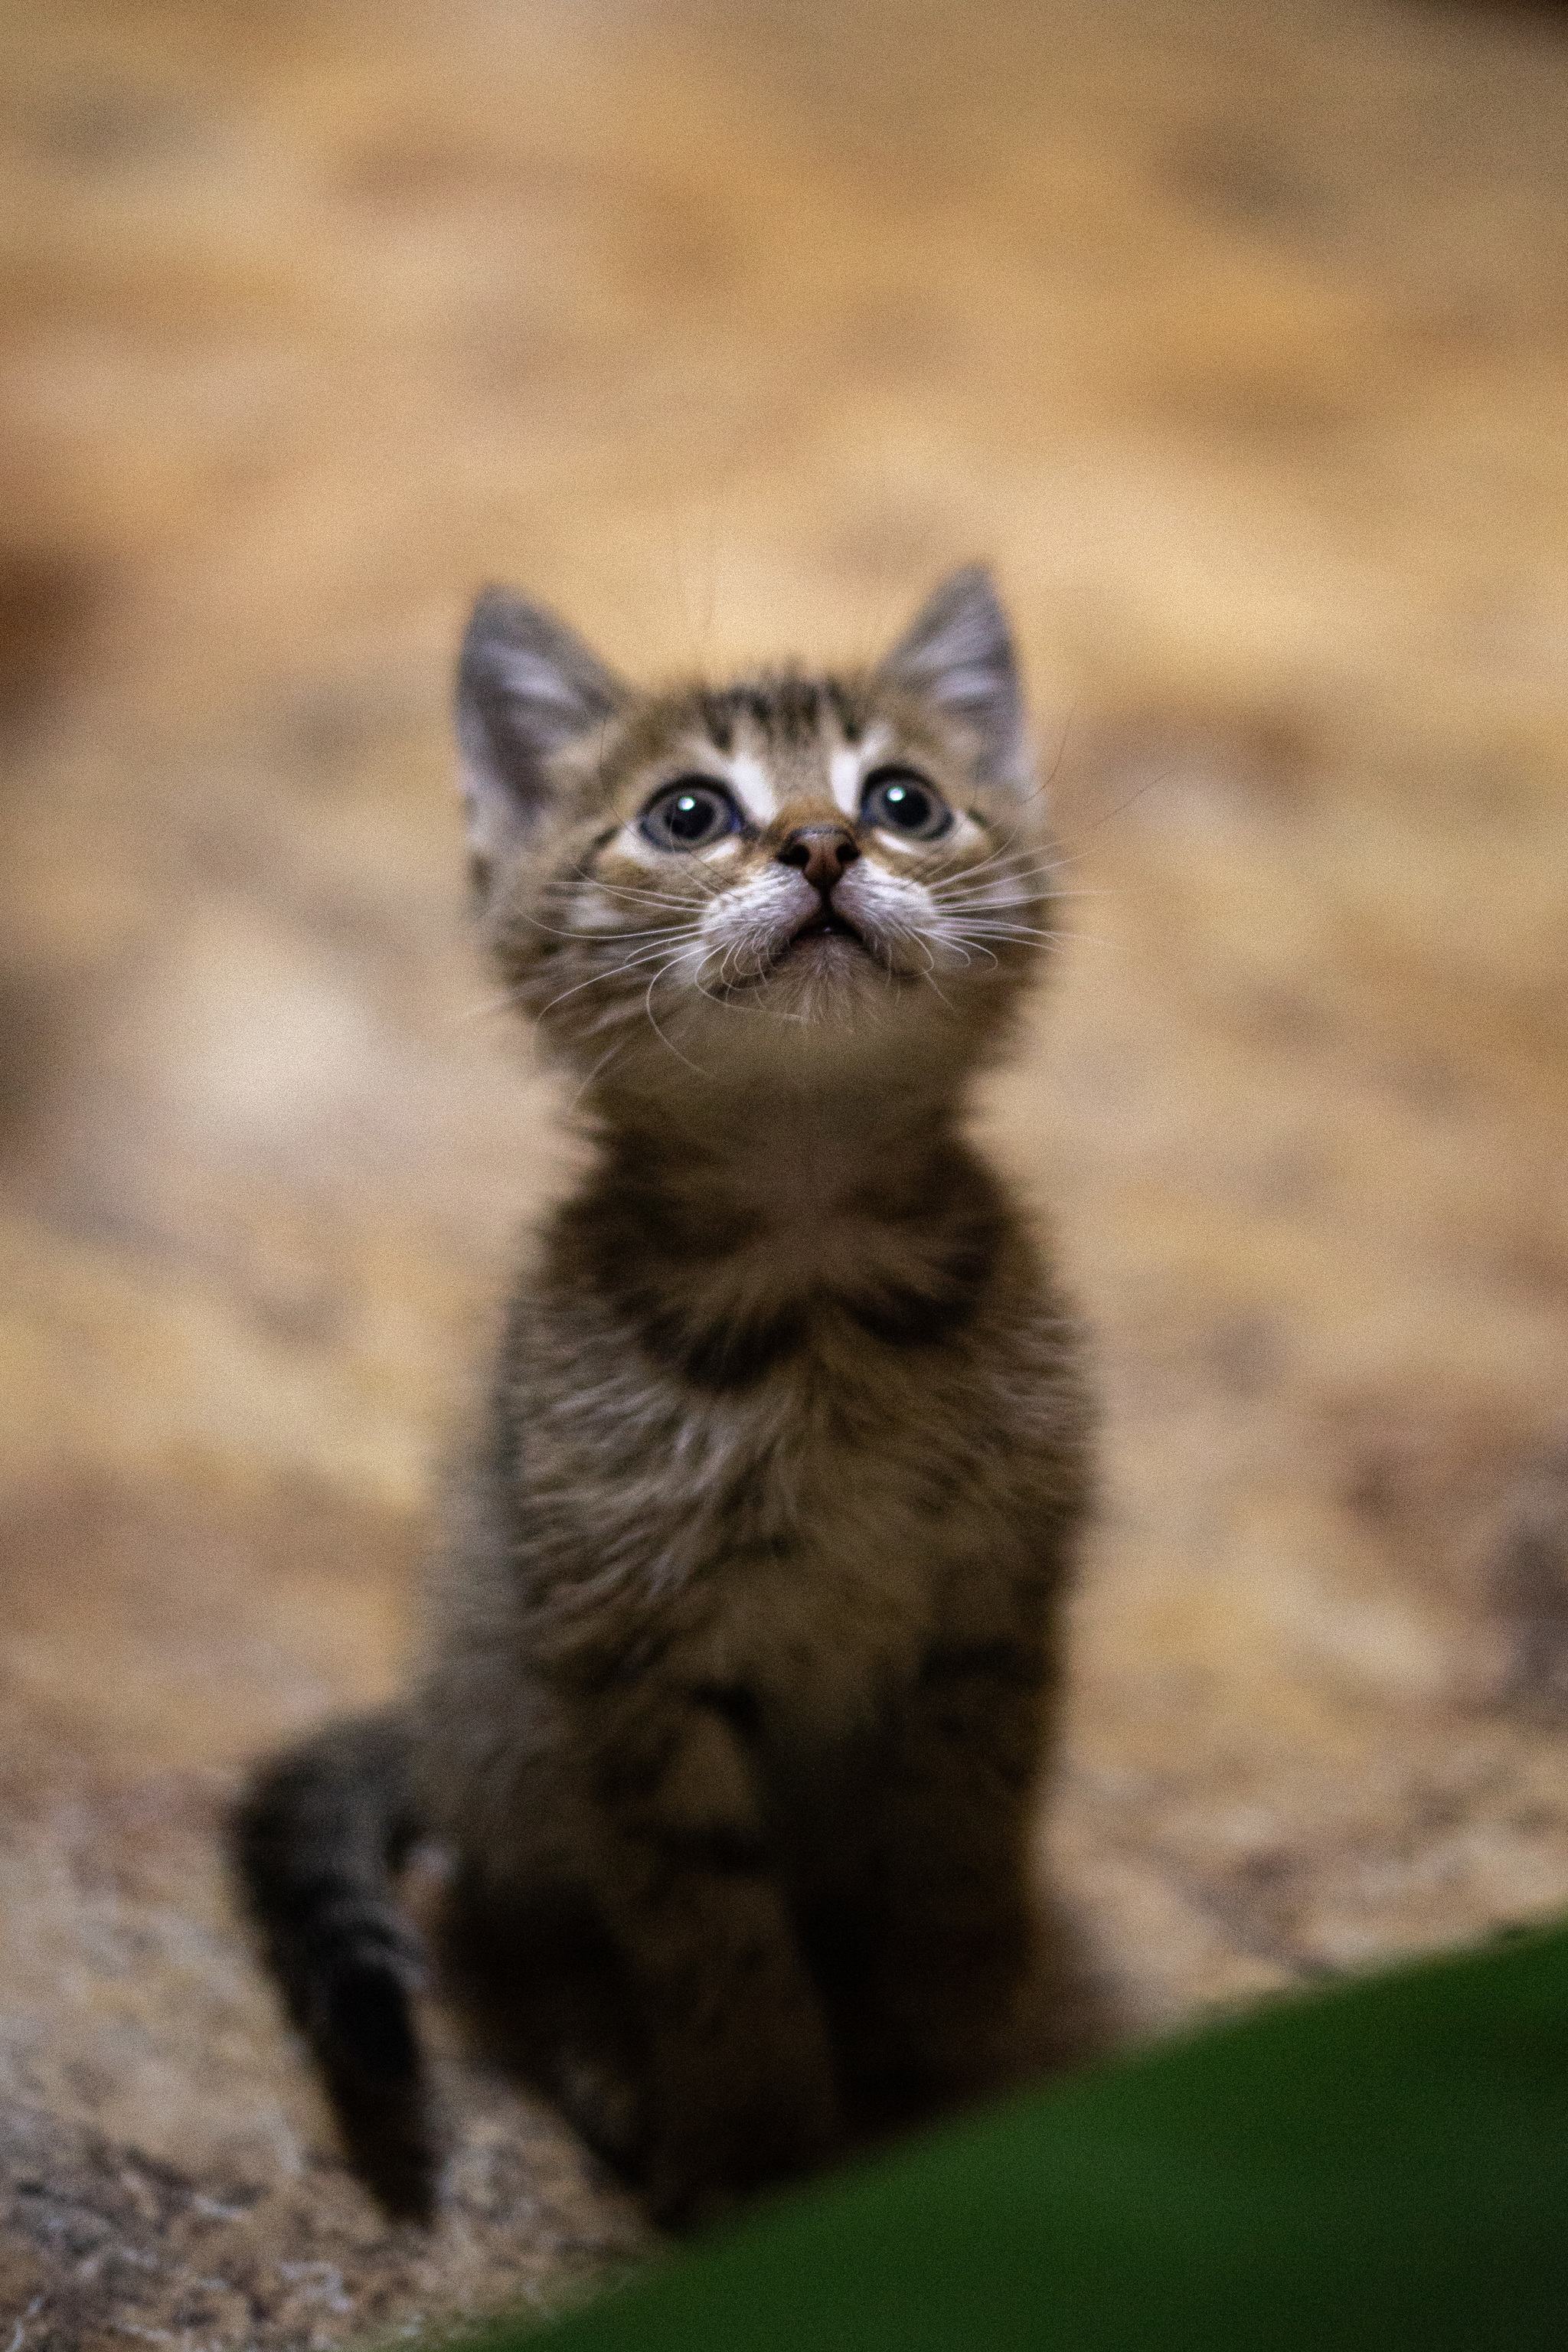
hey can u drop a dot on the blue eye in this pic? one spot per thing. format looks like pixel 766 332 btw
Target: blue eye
pixel 901 801
pixel 690 813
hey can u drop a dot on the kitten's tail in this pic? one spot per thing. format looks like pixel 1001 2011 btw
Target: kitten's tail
pixel 316 1840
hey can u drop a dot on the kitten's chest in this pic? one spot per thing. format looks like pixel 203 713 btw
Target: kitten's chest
pixel 797 1535
pixel 815 1644
pixel 813 1584
pixel 789 1548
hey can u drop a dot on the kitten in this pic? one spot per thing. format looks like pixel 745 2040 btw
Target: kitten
pixel 740 1660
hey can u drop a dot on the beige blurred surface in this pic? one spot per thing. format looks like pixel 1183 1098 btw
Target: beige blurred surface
pixel 1235 336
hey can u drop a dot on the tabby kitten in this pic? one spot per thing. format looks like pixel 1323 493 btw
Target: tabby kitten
pixel 739 1661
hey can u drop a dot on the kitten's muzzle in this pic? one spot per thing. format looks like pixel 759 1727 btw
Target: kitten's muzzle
pixel 822 853
pixel 826 923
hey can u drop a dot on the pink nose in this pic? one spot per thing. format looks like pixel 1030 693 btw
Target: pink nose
pixel 822 852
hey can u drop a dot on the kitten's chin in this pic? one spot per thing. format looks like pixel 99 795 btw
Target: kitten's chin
pixel 825 976
pixel 839 949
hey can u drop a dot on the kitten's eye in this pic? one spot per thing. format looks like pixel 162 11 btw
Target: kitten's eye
pixel 900 800
pixel 690 813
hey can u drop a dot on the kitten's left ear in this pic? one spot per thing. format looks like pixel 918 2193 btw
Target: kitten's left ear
pixel 526 687
pixel 958 653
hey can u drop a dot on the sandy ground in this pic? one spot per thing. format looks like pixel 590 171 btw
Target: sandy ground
pixel 1235 336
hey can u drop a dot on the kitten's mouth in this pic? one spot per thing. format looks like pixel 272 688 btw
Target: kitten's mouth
pixel 805 940
pixel 826 924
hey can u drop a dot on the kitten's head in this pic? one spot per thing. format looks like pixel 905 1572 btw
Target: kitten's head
pixel 808 867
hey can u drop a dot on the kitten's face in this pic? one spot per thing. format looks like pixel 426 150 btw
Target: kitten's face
pixel 804 865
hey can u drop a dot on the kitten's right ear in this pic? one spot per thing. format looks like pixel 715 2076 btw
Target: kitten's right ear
pixel 526 687
pixel 958 653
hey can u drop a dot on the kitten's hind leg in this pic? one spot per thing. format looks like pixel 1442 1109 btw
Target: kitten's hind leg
pixel 316 1840
pixel 741 2082
pixel 543 1992
pixel 928 1970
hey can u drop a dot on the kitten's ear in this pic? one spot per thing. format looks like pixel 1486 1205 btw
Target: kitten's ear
pixel 958 653
pixel 526 686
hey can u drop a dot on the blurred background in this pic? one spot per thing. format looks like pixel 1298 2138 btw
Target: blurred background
pixel 1234 335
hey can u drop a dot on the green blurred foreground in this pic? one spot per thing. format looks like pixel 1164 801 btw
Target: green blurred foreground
pixel 1384 2165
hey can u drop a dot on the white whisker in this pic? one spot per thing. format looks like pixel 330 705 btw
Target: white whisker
pixel 659 1032
pixel 615 939
pixel 508 996
pixel 593 1073
pixel 1044 853
pixel 1000 878
pixel 929 980
pixel 707 884
pixel 615 972
pixel 1005 931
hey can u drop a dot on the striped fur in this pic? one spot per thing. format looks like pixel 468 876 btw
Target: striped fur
pixel 740 1655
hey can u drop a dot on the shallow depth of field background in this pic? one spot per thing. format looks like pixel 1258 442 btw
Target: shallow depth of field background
pixel 1236 336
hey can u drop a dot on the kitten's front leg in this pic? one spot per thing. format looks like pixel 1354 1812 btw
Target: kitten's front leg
pixel 947 1939
pixel 741 2085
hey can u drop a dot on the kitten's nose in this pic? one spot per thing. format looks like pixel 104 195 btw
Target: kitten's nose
pixel 822 852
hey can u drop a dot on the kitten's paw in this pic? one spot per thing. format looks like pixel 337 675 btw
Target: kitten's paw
pixel 604 2104
pixel 703 2165
pixel 925 2061
pixel 684 2208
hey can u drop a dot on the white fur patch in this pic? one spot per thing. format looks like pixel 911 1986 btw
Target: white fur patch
pixel 633 842
pixel 845 769
pixel 752 784
pixel 848 764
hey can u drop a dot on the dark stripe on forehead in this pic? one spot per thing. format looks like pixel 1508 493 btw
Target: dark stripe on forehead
pixel 851 720
pixel 799 706
pixel 784 709
pixel 718 716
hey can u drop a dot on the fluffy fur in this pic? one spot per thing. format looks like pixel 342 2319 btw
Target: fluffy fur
pixel 738 1665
